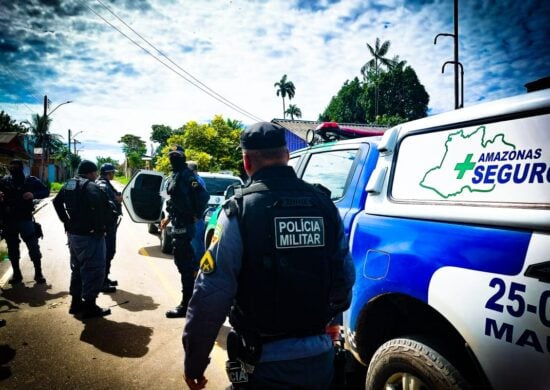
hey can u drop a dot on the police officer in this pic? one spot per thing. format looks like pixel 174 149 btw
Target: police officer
pixel 107 173
pixel 279 264
pixel 187 202
pixel 197 243
pixel 16 203
pixel 85 212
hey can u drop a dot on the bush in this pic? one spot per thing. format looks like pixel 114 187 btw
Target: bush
pixel 55 186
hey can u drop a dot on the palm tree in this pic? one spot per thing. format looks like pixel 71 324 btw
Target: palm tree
pixel 40 128
pixel 293 111
pixel 285 88
pixel 374 64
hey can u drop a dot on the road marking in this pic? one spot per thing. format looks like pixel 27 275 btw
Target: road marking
pixel 176 295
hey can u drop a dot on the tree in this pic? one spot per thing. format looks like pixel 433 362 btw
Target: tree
pixel 41 136
pixel 134 148
pixel 106 160
pixel 347 105
pixel 10 125
pixel 160 134
pixel 401 95
pixel 213 146
pixel 294 111
pixel 285 88
pixel 373 65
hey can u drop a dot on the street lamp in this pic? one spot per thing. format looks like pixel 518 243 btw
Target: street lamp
pixel 59 105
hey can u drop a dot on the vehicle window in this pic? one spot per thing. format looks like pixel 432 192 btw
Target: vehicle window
pixel 217 185
pixel 331 169
pixel 293 162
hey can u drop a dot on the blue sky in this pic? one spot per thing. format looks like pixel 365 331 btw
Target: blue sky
pixel 237 50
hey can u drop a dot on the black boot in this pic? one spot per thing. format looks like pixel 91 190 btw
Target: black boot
pixel 77 305
pixel 39 277
pixel 91 310
pixel 17 277
pixel 177 312
pixel 107 287
pixel 112 282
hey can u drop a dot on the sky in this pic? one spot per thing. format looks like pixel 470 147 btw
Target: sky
pixel 223 57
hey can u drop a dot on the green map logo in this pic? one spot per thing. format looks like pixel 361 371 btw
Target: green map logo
pixel 454 174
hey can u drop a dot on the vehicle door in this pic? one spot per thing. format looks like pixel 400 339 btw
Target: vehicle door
pixel 143 198
pixel 343 169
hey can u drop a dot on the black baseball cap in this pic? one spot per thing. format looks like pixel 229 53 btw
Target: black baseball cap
pixel 86 166
pixel 263 135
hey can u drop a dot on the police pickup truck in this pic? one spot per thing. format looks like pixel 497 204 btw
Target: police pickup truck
pixel 448 220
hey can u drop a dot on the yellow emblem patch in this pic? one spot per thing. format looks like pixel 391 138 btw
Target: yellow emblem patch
pixel 195 184
pixel 207 264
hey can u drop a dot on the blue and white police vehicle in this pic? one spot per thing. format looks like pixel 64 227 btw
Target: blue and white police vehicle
pixel 452 252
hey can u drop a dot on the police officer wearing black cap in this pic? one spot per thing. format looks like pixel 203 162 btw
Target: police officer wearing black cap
pixel 187 202
pixel 85 212
pixel 279 264
pixel 107 173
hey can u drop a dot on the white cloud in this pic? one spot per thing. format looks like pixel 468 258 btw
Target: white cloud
pixel 241 48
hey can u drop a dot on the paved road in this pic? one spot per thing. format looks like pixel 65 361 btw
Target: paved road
pixel 136 347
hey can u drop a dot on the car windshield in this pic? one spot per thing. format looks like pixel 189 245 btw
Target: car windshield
pixel 217 185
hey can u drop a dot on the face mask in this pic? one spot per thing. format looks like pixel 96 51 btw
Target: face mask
pixel 177 163
pixel 17 173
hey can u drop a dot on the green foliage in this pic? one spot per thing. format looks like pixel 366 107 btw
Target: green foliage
pixel 122 179
pixel 347 106
pixel 132 144
pixel 160 134
pixel 55 186
pixel 294 111
pixel 385 97
pixel 10 125
pixel 134 148
pixel 400 94
pixel 285 88
pixel 106 160
pixel 213 146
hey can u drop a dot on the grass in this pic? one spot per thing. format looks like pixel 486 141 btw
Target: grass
pixel 122 179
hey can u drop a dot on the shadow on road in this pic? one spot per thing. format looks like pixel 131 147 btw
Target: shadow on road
pixel 35 296
pixel 117 338
pixel 10 306
pixel 6 355
pixel 154 251
pixel 133 302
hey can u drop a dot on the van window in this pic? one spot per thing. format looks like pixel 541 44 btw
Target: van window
pixel 330 168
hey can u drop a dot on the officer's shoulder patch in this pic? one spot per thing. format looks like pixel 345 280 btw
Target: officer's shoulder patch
pixel 217 234
pixel 207 264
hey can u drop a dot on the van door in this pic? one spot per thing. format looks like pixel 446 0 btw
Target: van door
pixel 143 198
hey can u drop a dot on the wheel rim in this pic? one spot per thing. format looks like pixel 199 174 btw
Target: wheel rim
pixel 404 381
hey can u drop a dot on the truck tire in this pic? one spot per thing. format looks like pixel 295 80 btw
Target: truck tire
pixel 409 364
pixel 166 240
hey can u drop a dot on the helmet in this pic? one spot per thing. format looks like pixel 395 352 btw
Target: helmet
pixel 106 168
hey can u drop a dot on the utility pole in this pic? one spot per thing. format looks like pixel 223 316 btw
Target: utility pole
pixel 456 62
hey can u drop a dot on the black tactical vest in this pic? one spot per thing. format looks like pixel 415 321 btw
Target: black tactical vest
pixel 288 229
pixel 78 207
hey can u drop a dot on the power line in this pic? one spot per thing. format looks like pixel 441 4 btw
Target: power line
pixel 211 94
pixel 233 105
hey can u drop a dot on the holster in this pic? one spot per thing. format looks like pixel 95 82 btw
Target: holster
pixel 244 353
